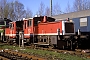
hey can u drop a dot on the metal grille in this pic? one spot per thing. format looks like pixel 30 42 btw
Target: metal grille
pixel 69 28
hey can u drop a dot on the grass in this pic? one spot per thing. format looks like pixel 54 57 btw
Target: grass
pixel 44 53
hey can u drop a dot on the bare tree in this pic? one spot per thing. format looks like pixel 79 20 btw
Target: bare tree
pixel 41 9
pixel 19 10
pixel 3 8
pixel 81 5
pixel 13 10
pixel 77 5
pixel 86 4
pixel 28 13
pixel 56 9
pixel 6 11
pixel 47 11
pixel 68 8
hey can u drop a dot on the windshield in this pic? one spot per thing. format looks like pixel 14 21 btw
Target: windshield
pixel 69 27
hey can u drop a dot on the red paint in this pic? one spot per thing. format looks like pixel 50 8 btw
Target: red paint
pixel 49 27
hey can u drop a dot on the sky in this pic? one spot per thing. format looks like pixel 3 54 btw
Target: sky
pixel 33 5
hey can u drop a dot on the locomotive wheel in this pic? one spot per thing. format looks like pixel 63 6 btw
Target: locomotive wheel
pixel 10 41
pixel 28 42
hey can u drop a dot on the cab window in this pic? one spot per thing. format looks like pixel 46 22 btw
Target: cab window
pixel 29 23
pixel 10 25
pixel 25 25
pixel 1 22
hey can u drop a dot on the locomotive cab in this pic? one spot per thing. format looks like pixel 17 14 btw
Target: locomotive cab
pixel 15 27
pixel 28 30
pixel 68 28
pixel 66 40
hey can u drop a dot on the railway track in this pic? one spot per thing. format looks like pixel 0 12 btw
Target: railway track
pixel 28 56
pixel 77 52
pixel 3 58
pixel 12 55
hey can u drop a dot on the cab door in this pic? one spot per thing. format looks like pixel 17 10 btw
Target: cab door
pixel 29 28
pixel 29 25
pixel 25 28
pixel 12 29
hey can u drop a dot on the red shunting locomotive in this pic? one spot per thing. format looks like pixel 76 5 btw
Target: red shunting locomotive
pixel 43 30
